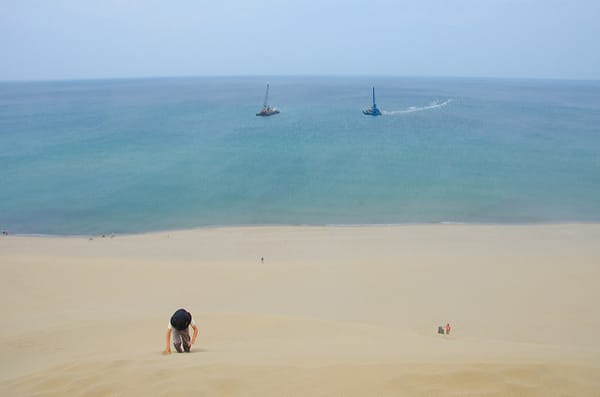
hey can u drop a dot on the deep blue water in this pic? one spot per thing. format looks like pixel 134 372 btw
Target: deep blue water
pixel 87 157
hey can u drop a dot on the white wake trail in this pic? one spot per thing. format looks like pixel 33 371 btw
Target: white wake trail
pixel 412 109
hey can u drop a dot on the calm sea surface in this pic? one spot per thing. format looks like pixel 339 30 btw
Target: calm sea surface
pixel 122 156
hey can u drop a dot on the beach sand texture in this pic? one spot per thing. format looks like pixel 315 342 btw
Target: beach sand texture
pixel 344 311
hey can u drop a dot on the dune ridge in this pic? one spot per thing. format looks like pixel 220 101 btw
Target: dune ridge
pixel 332 311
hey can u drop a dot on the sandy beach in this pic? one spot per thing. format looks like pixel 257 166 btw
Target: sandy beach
pixel 349 311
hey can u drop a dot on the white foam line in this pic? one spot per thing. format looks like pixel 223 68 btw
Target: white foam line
pixel 412 109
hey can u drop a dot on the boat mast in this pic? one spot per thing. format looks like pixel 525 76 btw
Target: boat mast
pixel 266 97
pixel 374 106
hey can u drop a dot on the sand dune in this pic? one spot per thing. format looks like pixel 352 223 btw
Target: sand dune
pixel 333 311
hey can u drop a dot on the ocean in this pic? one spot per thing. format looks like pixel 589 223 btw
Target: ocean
pixel 140 155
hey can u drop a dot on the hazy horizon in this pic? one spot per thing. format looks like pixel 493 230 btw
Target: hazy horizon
pixel 81 40
pixel 275 76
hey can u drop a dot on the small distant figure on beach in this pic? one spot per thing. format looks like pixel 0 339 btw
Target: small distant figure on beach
pixel 448 328
pixel 178 327
pixel 440 329
pixel 262 259
pixel 5 233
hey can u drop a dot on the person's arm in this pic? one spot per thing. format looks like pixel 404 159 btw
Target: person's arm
pixel 168 346
pixel 195 328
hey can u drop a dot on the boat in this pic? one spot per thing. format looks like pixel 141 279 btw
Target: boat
pixel 267 109
pixel 373 110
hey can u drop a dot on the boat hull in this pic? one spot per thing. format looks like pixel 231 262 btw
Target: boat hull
pixel 371 112
pixel 268 113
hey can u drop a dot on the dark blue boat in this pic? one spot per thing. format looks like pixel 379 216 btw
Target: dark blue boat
pixel 374 110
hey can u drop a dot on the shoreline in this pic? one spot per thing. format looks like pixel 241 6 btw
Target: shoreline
pixel 301 226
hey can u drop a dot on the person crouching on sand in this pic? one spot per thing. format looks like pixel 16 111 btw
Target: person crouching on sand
pixel 179 325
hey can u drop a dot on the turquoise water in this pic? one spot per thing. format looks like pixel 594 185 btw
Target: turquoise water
pixel 87 157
